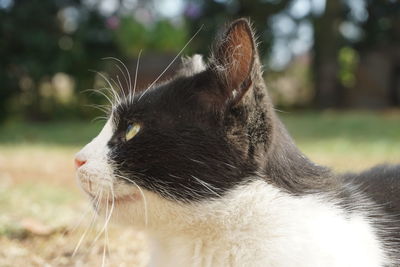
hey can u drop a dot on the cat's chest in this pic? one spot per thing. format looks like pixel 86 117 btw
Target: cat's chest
pixel 278 230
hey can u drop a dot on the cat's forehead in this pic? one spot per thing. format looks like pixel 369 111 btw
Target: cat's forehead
pixel 177 97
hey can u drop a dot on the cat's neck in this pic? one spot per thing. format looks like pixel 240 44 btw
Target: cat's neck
pixel 278 158
pixel 216 233
pixel 289 169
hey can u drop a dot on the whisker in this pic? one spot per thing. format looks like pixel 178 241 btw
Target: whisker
pixel 136 73
pixel 105 248
pixel 107 217
pixel 208 186
pixel 88 228
pixel 119 84
pixel 146 219
pixel 116 96
pixel 98 91
pixel 99 118
pixel 172 62
pixel 122 72
pixel 103 108
pixel 126 69
pixel 72 229
pixel 88 210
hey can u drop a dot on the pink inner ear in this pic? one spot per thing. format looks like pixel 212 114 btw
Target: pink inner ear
pixel 236 53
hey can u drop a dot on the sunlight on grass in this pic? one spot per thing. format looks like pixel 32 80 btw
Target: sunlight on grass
pixel 347 141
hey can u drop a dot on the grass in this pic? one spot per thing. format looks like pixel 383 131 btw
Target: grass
pixel 37 180
pixel 347 141
pixel 63 133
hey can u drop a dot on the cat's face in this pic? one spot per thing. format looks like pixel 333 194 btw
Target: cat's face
pixel 189 140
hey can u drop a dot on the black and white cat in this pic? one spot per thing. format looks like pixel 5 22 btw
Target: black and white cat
pixel 204 165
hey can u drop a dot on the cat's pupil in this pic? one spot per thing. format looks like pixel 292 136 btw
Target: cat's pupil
pixel 129 128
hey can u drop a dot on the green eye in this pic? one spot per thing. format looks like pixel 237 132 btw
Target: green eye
pixel 131 131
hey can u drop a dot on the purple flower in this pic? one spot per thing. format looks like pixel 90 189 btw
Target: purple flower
pixel 112 22
pixel 193 10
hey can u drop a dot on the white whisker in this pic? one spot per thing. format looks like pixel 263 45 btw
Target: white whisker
pixel 208 186
pixel 103 108
pixel 136 73
pixel 120 85
pixel 126 69
pixel 107 217
pixel 172 62
pixel 87 211
pixel 115 95
pixel 146 219
pixel 88 228
pixel 98 91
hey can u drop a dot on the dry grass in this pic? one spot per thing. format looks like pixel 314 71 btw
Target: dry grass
pixel 40 205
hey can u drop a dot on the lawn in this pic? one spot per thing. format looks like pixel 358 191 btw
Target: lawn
pixel 39 199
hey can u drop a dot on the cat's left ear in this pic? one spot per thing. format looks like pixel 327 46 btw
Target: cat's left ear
pixel 233 60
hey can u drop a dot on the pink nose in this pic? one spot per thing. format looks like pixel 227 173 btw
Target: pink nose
pixel 79 163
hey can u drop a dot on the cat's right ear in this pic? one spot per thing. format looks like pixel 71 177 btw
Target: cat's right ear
pixel 233 62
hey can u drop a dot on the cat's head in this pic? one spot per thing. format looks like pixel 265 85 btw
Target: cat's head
pixel 188 140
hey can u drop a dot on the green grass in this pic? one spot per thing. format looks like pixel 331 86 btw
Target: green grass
pixel 63 133
pixel 354 126
pixel 35 199
pixel 347 140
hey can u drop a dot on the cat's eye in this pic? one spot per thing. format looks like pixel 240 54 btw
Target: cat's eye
pixel 132 131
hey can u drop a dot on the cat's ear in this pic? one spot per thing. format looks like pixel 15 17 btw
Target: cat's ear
pixel 233 60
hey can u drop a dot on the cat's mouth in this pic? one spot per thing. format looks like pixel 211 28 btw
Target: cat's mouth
pixel 102 195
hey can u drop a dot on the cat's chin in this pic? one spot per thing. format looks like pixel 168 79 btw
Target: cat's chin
pixel 109 201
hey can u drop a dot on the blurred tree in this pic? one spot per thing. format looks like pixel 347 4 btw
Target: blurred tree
pixel 378 77
pixel 163 37
pixel 214 14
pixel 354 44
pixel 327 43
pixel 40 38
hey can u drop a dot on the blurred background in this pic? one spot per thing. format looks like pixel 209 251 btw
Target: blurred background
pixel 332 68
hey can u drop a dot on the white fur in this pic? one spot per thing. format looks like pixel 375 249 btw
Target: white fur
pixel 96 169
pixel 96 175
pixel 255 224
pixel 259 225
pixel 192 65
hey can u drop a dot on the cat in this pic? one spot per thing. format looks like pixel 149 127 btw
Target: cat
pixel 205 167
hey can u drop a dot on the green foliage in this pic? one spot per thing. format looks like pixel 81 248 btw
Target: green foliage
pixel 131 36
pixel 162 36
pixel 214 14
pixel 37 43
pixel 40 39
pixel 348 61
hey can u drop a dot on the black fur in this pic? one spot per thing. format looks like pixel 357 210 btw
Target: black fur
pixel 179 144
